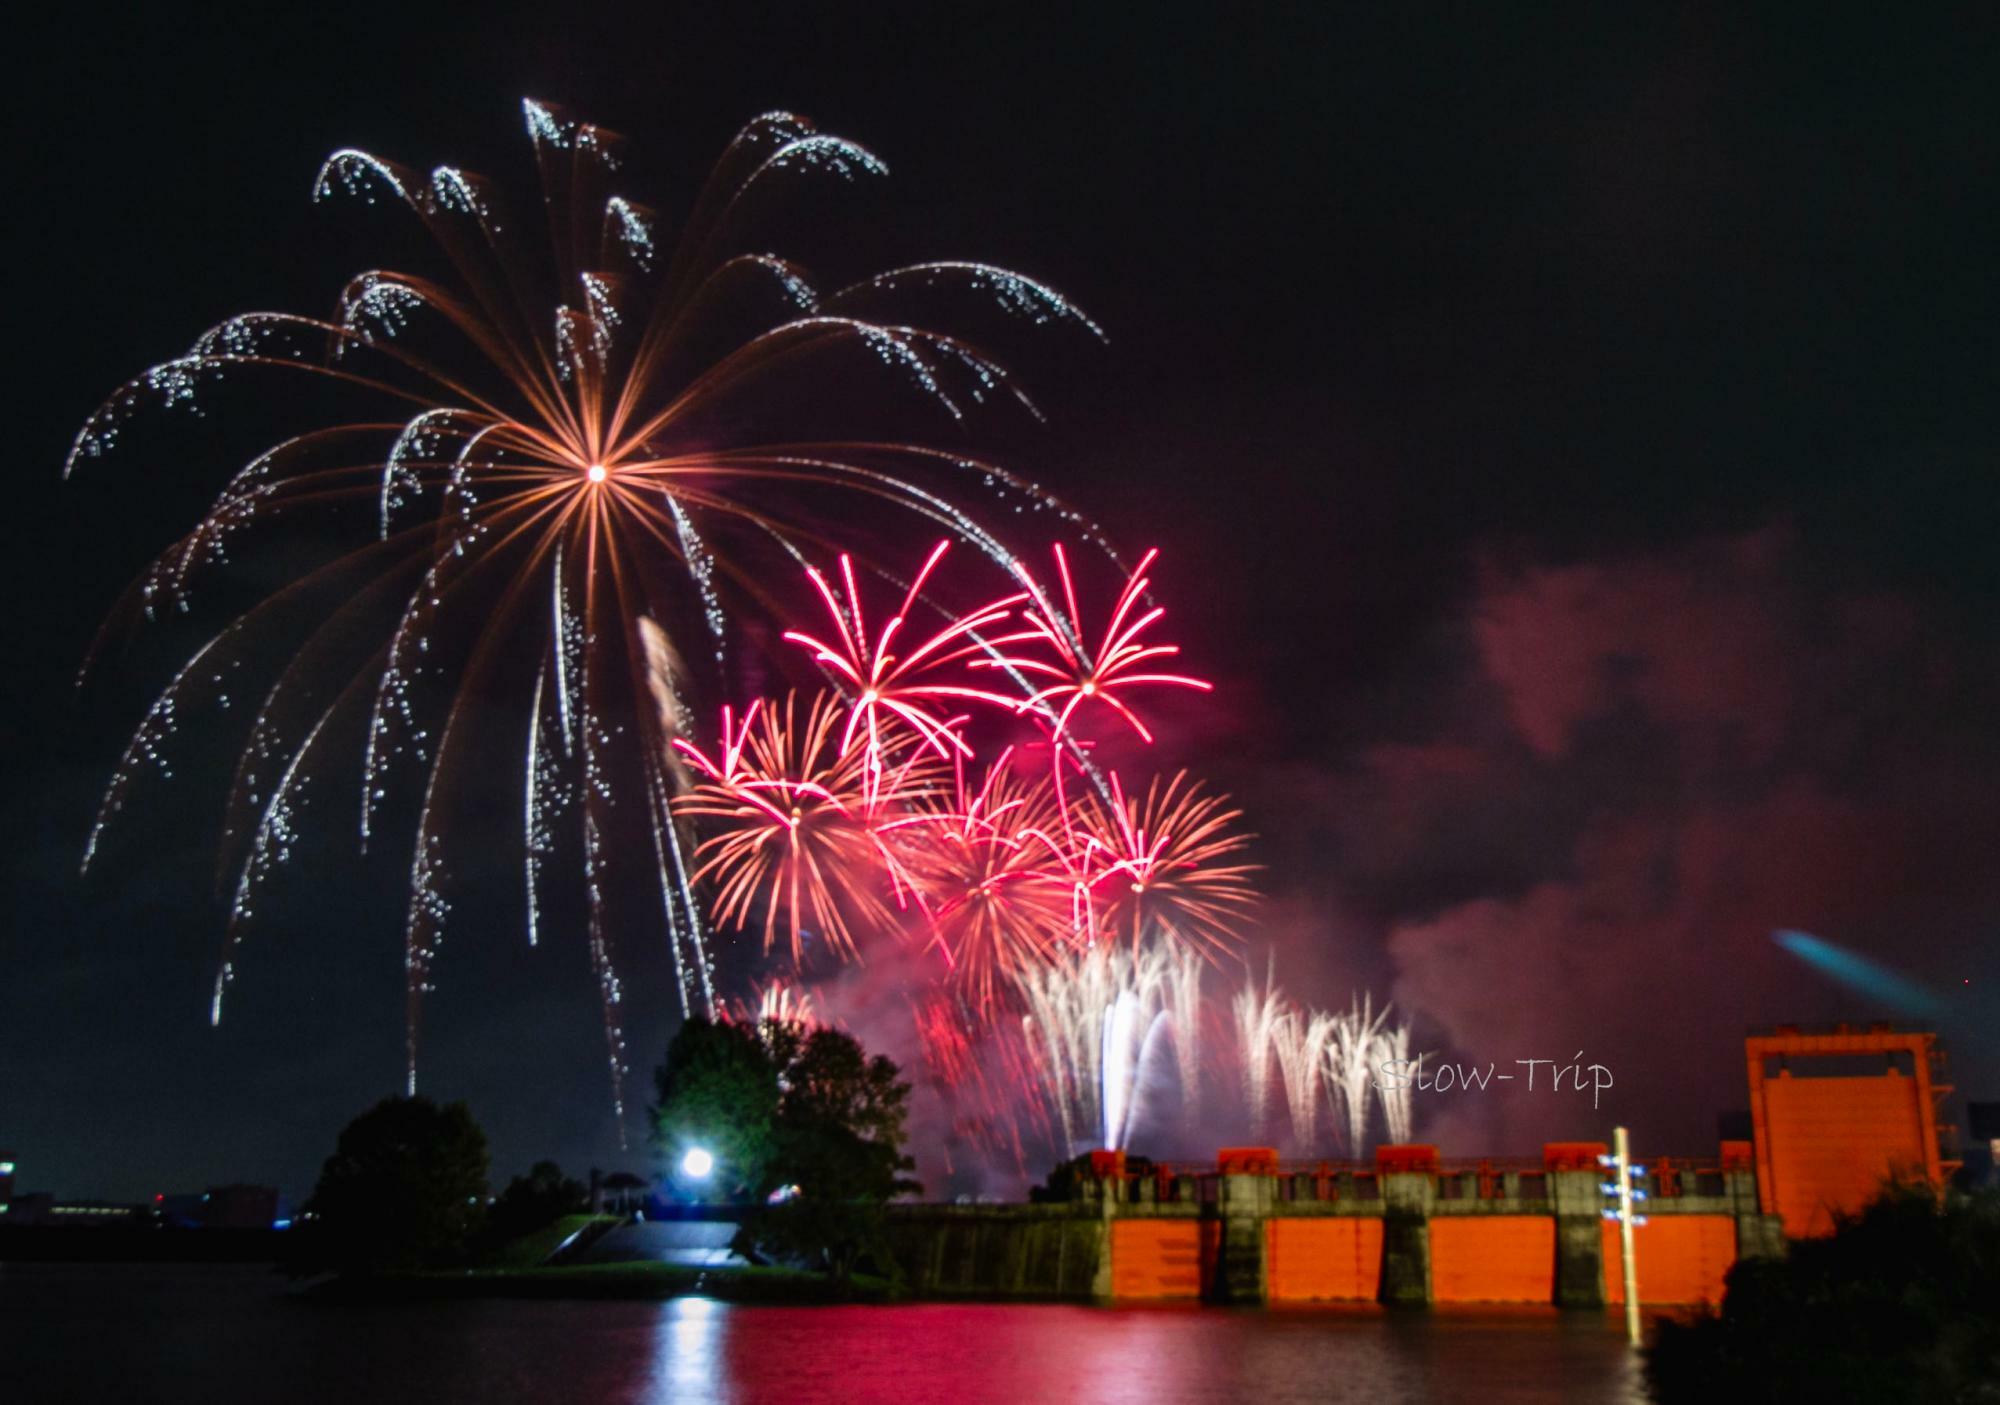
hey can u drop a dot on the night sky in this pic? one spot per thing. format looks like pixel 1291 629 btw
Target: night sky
pixel 1572 445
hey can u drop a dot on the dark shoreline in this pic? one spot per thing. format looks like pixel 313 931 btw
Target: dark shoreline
pixel 633 1281
pixel 143 1244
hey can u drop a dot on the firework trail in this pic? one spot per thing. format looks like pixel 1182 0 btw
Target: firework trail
pixel 1258 1015
pixel 888 690
pixel 1300 1042
pixel 1394 1043
pixel 1185 1004
pixel 1072 674
pixel 992 901
pixel 782 1002
pixel 980 1068
pixel 799 820
pixel 557 450
pixel 1349 1058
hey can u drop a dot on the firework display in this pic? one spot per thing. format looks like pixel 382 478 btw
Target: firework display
pixel 584 467
pixel 583 426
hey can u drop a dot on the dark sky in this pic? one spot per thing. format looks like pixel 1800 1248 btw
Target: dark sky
pixel 1571 440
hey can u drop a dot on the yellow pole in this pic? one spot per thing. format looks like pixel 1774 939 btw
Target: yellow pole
pixel 1625 1236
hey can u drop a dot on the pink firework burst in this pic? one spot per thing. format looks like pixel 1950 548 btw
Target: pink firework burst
pixel 797 816
pixel 893 687
pixel 993 894
pixel 1071 673
pixel 1165 864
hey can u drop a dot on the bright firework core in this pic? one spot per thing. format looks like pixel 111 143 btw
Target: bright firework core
pixel 596 473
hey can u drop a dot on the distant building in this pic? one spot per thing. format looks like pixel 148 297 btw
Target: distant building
pixel 224 1207
pixel 40 1207
pixel 241 1207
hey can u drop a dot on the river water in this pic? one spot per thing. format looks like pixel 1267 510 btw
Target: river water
pixel 138 1334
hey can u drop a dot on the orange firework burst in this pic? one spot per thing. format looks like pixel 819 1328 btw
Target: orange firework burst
pixel 559 442
pixel 993 898
pixel 798 819
pixel 1163 867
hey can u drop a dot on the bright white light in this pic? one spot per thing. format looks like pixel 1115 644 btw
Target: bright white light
pixel 595 473
pixel 697 1163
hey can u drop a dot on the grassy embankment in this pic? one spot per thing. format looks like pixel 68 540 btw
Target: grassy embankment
pixel 523 1269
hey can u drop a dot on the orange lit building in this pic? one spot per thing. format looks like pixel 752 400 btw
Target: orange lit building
pixel 1837 1115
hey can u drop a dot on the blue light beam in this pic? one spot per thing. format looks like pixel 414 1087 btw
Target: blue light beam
pixel 1857 972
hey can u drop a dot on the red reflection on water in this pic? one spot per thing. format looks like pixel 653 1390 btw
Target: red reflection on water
pixel 968 1354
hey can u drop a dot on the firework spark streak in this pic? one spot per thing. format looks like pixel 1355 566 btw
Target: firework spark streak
pixel 1095 1019
pixel 1300 1042
pixel 888 688
pixel 554 452
pixel 1352 1057
pixel 993 902
pixel 799 819
pixel 1394 1044
pixel 1156 865
pixel 1078 674
pixel 1258 1016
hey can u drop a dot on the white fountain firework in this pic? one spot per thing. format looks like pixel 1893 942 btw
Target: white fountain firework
pixel 1301 1041
pixel 1184 1000
pixel 1095 1022
pixel 1393 1044
pixel 1258 1014
pixel 1349 1058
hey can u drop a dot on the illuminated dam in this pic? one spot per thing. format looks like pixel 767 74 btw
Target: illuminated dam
pixel 1834 1115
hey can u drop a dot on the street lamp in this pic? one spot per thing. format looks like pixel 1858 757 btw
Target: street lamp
pixel 697 1163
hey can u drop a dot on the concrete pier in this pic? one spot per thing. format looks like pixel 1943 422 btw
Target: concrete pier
pixel 1408 1200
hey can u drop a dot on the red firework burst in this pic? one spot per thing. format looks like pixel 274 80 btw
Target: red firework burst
pixel 907 688
pixel 798 819
pixel 994 897
pixel 1077 674
pixel 1164 865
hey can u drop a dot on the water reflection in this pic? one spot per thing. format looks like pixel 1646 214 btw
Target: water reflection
pixel 977 1353
pixel 688 1362
pixel 220 1335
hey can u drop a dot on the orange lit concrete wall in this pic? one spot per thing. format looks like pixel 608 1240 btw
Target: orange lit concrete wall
pixel 1832 1141
pixel 1682 1258
pixel 1161 1259
pixel 1493 1258
pixel 1323 1260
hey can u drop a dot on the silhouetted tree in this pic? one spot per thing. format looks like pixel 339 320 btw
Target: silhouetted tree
pixel 718 1090
pixel 405 1188
pixel 539 1198
pixel 803 1124
pixel 838 1155
pixel 1900 1304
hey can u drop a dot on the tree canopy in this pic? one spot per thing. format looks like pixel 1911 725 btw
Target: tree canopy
pixel 1900 1304
pixel 405 1187
pixel 718 1090
pixel 802 1123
